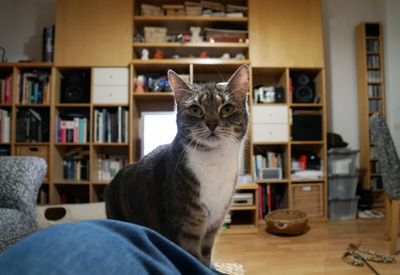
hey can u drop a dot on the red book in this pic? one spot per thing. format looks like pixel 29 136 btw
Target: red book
pixel 260 212
pixel 8 90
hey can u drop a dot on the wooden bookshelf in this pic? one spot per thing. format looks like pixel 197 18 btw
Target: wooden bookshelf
pixel 86 42
pixel 371 99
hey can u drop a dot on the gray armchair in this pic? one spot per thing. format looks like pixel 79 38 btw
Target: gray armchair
pixel 20 180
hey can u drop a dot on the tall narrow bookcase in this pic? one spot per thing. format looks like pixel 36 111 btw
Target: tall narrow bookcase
pixel 371 99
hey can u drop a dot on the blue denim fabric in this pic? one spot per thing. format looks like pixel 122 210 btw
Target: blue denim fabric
pixel 99 247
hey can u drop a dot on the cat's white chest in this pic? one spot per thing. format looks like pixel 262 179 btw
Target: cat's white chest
pixel 216 171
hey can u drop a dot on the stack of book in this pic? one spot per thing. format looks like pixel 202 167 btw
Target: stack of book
pixel 5 126
pixel 71 128
pixel 269 199
pixel 76 164
pixel 34 87
pixel 109 165
pixel 111 125
pixel 5 90
pixel 267 160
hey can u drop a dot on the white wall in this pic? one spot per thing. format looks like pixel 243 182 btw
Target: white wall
pixel 340 17
pixel 392 68
pixel 21 26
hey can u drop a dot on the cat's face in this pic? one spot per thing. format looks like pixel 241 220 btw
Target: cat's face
pixel 212 114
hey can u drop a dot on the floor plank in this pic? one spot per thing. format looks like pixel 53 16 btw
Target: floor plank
pixel 318 251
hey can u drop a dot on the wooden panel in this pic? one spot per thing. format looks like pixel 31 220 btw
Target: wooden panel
pixel 93 33
pixel 285 33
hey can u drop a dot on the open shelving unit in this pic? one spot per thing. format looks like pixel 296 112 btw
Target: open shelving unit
pixel 271 56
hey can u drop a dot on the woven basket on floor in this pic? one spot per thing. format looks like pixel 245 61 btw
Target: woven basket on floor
pixel 230 268
pixel 286 222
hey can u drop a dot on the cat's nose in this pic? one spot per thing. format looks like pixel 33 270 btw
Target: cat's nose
pixel 212 124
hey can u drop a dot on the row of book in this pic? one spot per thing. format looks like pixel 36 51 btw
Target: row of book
pixel 269 159
pixel 34 87
pixel 374 90
pixel 375 169
pixel 376 183
pixel 76 164
pixel 373 60
pixel 374 76
pixel 375 105
pixel 111 125
pixel 269 198
pixel 372 45
pixel 109 165
pixel 5 125
pixel 71 128
pixel 5 89
pixel 32 125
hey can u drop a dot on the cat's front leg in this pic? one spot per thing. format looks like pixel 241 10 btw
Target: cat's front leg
pixel 192 232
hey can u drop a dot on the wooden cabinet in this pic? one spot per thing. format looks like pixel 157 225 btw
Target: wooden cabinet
pixel 285 33
pixel 371 99
pixel 93 33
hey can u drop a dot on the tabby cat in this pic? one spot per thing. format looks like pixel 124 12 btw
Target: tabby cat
pixel 183 190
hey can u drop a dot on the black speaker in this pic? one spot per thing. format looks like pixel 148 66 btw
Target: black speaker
pixel 279 94
pixel 307 127
pixel 303 88
pixel 75 87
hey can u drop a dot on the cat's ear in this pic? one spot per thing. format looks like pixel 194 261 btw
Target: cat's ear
pixel 238 84
pixel 179 87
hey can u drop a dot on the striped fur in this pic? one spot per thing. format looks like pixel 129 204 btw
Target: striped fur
pixel 183 190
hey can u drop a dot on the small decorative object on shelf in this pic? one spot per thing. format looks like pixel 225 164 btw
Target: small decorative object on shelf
pixel 195 31
pixel 159 54
pixel 145 54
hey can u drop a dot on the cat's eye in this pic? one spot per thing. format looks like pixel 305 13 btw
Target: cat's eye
pixel 227 109
pixel 195 110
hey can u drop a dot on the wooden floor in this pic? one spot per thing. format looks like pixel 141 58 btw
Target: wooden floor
pixel 318 251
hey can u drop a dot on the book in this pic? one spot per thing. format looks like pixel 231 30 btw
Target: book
pixel 48 44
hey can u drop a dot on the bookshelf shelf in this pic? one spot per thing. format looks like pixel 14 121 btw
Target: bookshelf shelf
pixel 72 182
pixel 71 144
pixel 110 105
pixel 246 186
pixel 191 45
pixel 38 105
pixel 307 180
pixel 273 181
pixel 242 208
pixel 111 144
pixel 72 105
pixel 240 229
pixel 307 142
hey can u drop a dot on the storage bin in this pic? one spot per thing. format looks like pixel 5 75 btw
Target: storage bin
pixel 308 198
pixel 155 34
pixel 174 10
pixel 193 10
pixel 342 186
pixel 150 10
pixel 342 208
pixel 342 161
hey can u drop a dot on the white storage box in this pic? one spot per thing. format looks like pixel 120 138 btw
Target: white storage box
pixel 110 86
pixel 270 114
pixel 242 199
pixel 342 209
pixel 342 161
pixel 265 132
pixel 110 95
pixel 342 186
pixel 110 77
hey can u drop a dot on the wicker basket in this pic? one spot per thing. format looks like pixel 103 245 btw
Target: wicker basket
pixel 286 222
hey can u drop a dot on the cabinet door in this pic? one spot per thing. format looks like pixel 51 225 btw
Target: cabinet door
pixel 93 33
pixel 285 33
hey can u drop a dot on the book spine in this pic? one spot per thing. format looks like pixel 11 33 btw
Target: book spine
pixel 8 89
pixel 119 124
pixel 80 130
pixel 76 130
pixel 95 126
